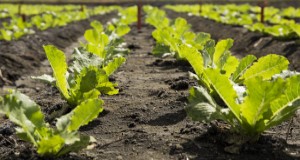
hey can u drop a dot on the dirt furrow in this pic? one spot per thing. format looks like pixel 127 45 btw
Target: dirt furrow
pixel 144 119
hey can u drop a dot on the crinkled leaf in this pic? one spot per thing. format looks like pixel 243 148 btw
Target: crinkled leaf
pixel 21 110
pixel 266 67
pixel 122 30
pixel 208 53
pixel 97 26
pixel 260 94
pixel 285 106
pixel 82 58
pixel 92 36
pixel 189 36
pixel 107 88
pixel 201 106
pixel 82 143
pixel 279 30
pixel 84 113
pixel 181 26
pixel 88 79
pixel 112 66
pixel 244 64
pixel 94 93
pixel 230 65
pixel 202 38
pixel 50 146
pixel 97 42
pixel 222 52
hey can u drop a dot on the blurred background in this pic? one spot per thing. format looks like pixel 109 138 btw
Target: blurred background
pixel 278 3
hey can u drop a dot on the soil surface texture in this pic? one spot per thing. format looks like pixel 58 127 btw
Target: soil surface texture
pixel 146 120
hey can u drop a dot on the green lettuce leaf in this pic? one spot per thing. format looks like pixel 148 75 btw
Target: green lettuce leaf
pixel 222 52
pixel 285 106
pixel 194 57
pixel 84 113
pixel 223 87
pixel 112 66
pixel 244 64
pixel 49 141
pixel 24 112
pixel 122 30
pixel 97 26
pixel 57 60
pixel 266 67
pixel 260 94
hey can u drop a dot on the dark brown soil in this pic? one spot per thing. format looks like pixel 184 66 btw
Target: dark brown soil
pixel 147 119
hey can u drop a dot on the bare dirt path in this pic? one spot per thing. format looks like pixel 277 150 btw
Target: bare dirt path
pixel 144 120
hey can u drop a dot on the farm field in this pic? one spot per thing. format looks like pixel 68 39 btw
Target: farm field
pixel 116 91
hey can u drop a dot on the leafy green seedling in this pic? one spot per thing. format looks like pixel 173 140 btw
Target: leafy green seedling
pixel 252 97
pixel 86 80
pixel 49 141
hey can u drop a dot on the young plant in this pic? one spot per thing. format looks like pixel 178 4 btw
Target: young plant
pixel 169 37
pixel 87 78
pixel 251 97
pixel 106 44
pixel 62 139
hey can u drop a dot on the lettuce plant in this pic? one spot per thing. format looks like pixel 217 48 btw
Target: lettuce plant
pixel 169 36
pixel 62 139
pixel 248 16
pixel 107 44
pixel 87 77
pixel 251 96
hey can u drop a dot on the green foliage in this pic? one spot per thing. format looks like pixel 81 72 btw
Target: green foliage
pixel 58 141
pixel 244 64
pixel 58 63
pixel 52 16
pixel 96 42
pixel 279 22
pixel 250 97
pixel 156 17
pixel 266 67
pixel 87 78
pixel 107 44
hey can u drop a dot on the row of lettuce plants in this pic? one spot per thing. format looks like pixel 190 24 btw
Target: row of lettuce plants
pixel 16 27
pixel 9 10
pixel 250 94
pixel 279 23
pixel 80 83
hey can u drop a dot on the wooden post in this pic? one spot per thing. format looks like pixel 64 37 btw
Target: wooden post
pixel 200 7
pixel 82 8
pixel 20 9
pixel 139 16
pixel 262 11
pixel 23 16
